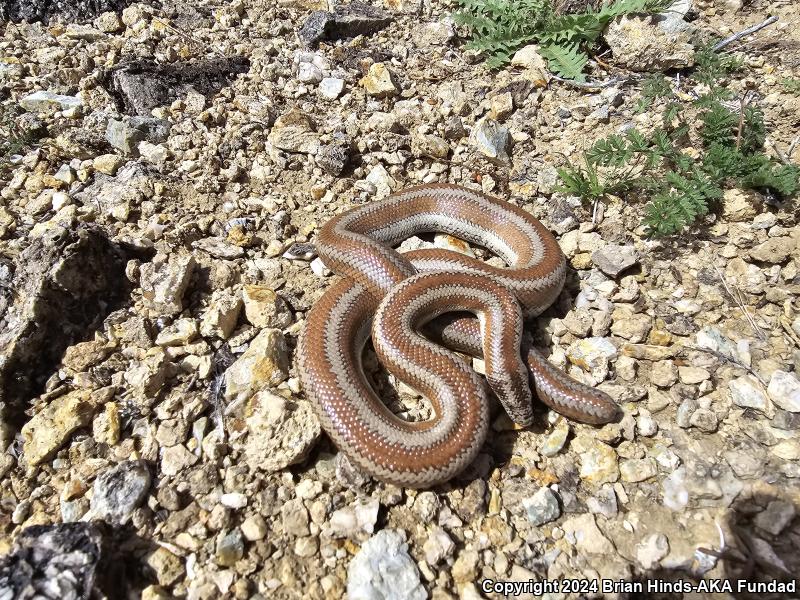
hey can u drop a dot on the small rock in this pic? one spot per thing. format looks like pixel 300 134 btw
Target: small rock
pixel 379 82
pixel 776 250
pixel 230 548
pixel 613 259
pixel 599 463
pixel 48 102
pixel 52 426
pixel 107 163
pixel 740 205
pixel 383 569
pixel 167 567
pixel 556 439
pixel 664 373
pixel 592 355
pixel 264 308
pixel 163 285
pixel 582 531
pixel 693 375
pixel 650 43
pixel 265 363
pixel 180 333
pixel 348 21
pixel 652 549
pixel 542 507
pixel 492 139
pixel 635 470
pixel 784 390
pixel 281 432
pixel 120 490
pixel 604 502
pixel 705 420
pixel 747 392
pixel 465 568
pixel 254 528
pixel 775 517
pixel 429 145
pixel 331 87
pixel 222 315
pixel 438 547
pixel 175 459
pixel 355 521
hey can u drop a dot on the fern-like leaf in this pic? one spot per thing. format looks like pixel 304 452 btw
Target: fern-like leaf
pixel 567 61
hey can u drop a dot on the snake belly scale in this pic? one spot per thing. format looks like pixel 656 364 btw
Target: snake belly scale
pixel 461 303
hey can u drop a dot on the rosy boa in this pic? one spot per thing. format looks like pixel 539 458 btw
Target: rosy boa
pixel 392 296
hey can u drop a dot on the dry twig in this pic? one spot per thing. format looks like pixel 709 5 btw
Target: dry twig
pixel 744 33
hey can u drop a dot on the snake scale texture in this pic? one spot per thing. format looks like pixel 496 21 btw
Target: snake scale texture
pixel 393 297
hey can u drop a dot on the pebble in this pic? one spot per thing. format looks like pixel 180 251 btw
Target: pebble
pixel 120 490
pixel 705 420
pixel 775 517
pixel 438 546
pixel 747 392
pixel 583 533
pixel 491 139
pixel 222 314
pixel 593 355
pixel 265 308
pixel 635 470
pixel 167 567
pixel 281 432
pixel 254 528
pixel 229 548
pixel 355 520
pixel 614 259
pixel 604 502
pixel 48 102
pixel 379 81
pixel 175 459
pixel 784 390
pixel 693 375
pixel 51 427
pixel 233 500
pixel 651 550
pixel 555 440
pixel 331 87
pixel 383 570
pixel 164 284
pixel 598 461
pixel 265 363
pixel 542 507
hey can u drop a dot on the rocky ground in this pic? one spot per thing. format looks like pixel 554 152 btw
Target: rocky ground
pixel 166 169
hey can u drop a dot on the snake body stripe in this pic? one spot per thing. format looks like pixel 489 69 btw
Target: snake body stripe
pixel 440 292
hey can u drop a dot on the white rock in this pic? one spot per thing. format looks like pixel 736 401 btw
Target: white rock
pixel 383 570
pixel 784 390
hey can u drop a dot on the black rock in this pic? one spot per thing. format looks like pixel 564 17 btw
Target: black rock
pixel 68 11
pixel 142 85
pixel 54 561
pixel 64 283
pixel 348 21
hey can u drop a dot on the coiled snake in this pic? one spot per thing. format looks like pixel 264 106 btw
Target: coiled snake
pixel 393 296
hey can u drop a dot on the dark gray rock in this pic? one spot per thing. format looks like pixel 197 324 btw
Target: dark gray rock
pixel 142 85
pixel 54 561
pixel 347 21
pixel 65 282
pixel 125 134
pixel 333 158
pixel 68 11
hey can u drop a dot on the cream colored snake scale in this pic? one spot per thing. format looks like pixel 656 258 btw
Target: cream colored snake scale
pixel 392 297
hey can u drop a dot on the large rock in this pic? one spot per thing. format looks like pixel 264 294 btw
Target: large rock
pixel 383 569
pixel 55 562
pixel 65 281
pixel 356 18
pixel 650 43
pixel 143 85
pixel 65 10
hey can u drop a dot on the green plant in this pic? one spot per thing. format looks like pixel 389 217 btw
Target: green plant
pixel 654 86
pixel 500 27
pixel 682 185
pixel 791 85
